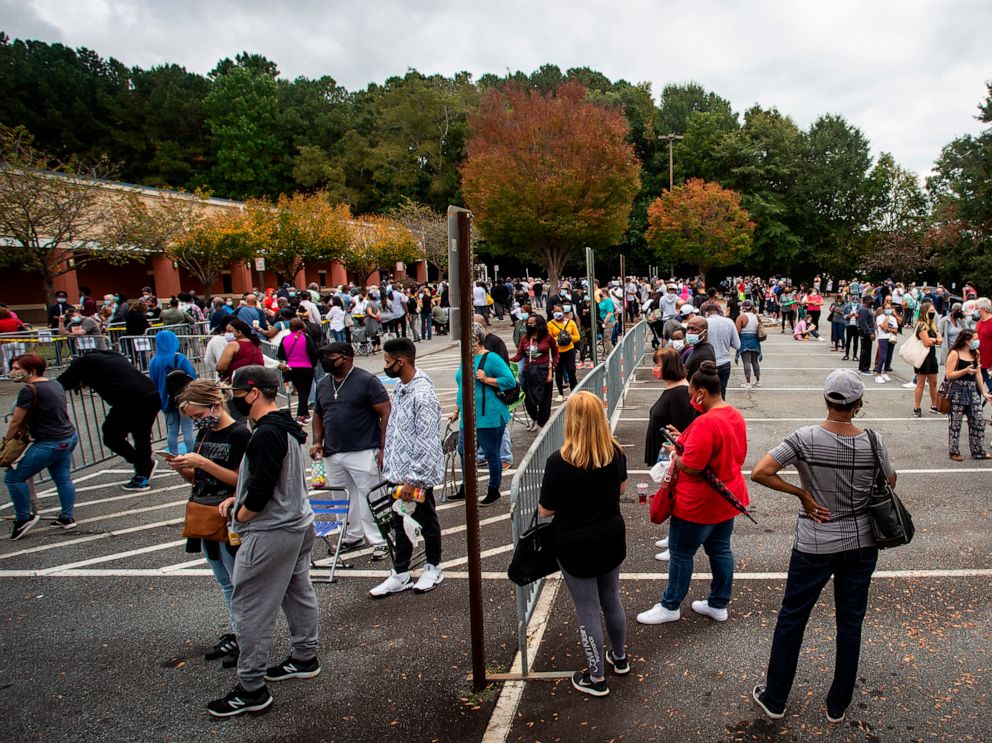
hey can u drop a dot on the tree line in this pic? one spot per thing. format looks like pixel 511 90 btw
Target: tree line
pixel 814 198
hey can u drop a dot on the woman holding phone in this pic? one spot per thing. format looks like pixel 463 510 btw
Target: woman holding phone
pixel 968 393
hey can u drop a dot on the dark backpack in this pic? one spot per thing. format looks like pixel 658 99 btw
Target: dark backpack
pixel 175 382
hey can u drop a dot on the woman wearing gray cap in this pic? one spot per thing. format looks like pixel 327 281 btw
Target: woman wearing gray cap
pixel 836 464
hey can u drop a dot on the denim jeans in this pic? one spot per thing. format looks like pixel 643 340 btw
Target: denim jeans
pixel 505 449
pixel 684 540
pixel 724 371
pixel 426 326
pixel 223 570
pixel 56 456
pixel 174 422
pixel 808 574
pixel 339 335
pixel 489 439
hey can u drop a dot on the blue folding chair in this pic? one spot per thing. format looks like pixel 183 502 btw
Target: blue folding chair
pixel 330 515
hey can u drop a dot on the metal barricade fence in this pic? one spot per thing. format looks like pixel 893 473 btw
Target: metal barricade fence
pixel 606 382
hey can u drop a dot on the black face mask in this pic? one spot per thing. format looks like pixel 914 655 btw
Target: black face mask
pixel 391 371
pixel 328 366
pixel 242 405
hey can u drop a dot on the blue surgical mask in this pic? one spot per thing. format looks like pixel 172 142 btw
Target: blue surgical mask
pixel 559 315
pixel 888 312
pixel 975 344
pixel 523 315
pixel 692 339
pixel 976 315
pixel 229 337
pixel 61 300
pixel 567 308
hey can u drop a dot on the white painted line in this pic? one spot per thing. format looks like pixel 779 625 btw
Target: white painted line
pixel 86 488
pixel 505 712
pixel 183 565
pixel 92 538
pixel 483 555
pixel 110 558
pixel 132 511
pixel 113 499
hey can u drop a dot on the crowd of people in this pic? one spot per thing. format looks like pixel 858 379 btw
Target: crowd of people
pixel 247 459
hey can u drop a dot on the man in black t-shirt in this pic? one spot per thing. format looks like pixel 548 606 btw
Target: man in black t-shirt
pixel 349 431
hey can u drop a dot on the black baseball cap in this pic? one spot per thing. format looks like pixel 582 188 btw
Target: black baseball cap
pixel 254 376
pixel 339 347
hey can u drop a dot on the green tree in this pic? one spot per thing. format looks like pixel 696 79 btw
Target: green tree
pixel 897 240
pixel 302 229
pixel 546 175
pixel 700 224
pixel 242 115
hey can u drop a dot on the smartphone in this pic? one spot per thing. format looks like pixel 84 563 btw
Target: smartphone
pixel 165 455
pixel 668 437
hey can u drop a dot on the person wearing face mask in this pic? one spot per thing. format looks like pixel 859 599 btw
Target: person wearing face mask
pixel 886 327
pixel 722 335
pixel 168 359
pixel 242 349
pixel 983 330
pixel 606 312
pixel 949 327
pixel 211 467
pixel 298 356
pixel 271 514
pixel 701 517
pixel 672 408
pixel 926 330
pixel 351 414
pixel 413 459
pixel 750 347
pixel 520 317
pixel 968 393
pixel 40 410
pixel 697 348
pixel 566 335
pixel 77 324
pixel 59 309
pixel 539 351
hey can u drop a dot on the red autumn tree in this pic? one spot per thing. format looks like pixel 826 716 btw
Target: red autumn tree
pixel 700 224
pixel 548 174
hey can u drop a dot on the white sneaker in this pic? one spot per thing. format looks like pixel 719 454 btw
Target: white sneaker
pixel 909 386
pixel 658 614
pixel 746 386
pixel 663 556
pixel 886 377
pixel 757 382
pixel 560 398
pixel 662 543
pixel 395 583
pixel 430 579
pixel 879 379
pixel 703 607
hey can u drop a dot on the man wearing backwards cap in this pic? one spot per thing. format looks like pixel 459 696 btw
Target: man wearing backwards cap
pixel 271 514
pixel 836 465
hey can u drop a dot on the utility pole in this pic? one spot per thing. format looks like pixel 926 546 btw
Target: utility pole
pixel 672 138
pixel 591 299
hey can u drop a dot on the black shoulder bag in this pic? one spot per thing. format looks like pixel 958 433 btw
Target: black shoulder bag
pixel 534 555
pixel 507 397
pixel 891 524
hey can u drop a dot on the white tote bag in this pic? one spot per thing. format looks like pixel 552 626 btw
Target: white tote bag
pixel 913 352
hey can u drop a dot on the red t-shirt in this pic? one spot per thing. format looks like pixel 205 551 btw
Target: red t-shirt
pixel 984 332
pixel 717 439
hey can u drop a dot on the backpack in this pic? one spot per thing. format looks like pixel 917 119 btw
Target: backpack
pixel 175 382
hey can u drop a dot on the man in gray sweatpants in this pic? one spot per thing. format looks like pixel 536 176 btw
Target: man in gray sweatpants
pixel 271 514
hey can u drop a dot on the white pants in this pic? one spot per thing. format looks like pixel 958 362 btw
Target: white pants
pixel 358 472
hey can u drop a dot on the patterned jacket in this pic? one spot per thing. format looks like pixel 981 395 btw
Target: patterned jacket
pixel 413 436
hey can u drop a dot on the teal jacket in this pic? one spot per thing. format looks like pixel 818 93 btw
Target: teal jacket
pixel 496 412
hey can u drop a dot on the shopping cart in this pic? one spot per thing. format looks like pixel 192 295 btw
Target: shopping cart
pixel 381 500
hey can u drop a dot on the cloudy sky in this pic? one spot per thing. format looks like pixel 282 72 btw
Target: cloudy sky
pixel 910 74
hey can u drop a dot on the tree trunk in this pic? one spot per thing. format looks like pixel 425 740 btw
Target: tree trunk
pixel 555 257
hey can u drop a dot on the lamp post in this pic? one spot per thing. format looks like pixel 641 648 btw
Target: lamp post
pixel 672 137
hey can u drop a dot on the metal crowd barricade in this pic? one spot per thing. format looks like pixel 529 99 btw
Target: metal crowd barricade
pixel 606 381
pixel 57 350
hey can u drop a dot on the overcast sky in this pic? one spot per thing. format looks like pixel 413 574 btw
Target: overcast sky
pixel 909 74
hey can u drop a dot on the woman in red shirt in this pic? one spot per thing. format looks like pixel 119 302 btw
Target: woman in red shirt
pixel 701 517
pixel 540 351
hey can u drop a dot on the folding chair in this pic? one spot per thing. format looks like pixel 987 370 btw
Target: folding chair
pixel 449 447
pixel 330 515
pixel 380 499
pixel 518 413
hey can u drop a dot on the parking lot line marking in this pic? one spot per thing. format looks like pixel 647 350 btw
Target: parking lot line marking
pixel 114 498
pixel 484 554
pixel 92 538
pixel 110 558
pixel 86 488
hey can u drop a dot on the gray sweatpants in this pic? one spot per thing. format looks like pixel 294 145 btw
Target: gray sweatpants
pixel 272 570
pixel 589 596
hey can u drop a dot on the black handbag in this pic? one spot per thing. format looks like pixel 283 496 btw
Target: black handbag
pixel 891 524
pixel 534 555
pixel 507 397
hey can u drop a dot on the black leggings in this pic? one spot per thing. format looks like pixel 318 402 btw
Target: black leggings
pixel 302 379
pixel 134 418
pixel 852 341
pixel 566 365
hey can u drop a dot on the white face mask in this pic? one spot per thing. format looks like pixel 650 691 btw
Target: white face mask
pixel 678 345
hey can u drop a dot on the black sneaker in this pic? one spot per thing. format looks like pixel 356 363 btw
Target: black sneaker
pixel 620 666
pixel 293 669
pixel 460 495
pixel 225 646
pixel 240 701
pixel 584 683
pixel 64 523
pixel 492 495
pixel 349 546
pixel 756 694
pixel 834 717
pixel 137 483
pixel 231 661
pixel 20 528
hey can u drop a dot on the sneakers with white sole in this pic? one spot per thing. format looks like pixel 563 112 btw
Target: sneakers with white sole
pixel 835 718
pixel 886 377
pixel 756 694
pixel 879 379
pixel 662 543
pixel 745 385
pixel 430 579
pixel 395 583
pixel 658 614
pixel 663 556
pixel 703 607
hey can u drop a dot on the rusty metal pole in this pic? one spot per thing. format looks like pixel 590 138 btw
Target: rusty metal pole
pixel 469 469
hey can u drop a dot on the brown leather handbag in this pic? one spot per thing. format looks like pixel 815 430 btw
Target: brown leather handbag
pixel 204 522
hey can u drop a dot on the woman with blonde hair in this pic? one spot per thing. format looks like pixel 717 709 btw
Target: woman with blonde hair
pixel 926 330
pixel 583 482
pixel 212 469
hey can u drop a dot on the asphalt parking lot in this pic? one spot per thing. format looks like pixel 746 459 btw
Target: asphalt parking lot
pixel 105 627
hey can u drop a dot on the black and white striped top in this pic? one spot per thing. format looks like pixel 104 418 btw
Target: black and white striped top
pixel 838 471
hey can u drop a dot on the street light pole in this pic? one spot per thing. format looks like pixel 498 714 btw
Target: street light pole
pixel 672 137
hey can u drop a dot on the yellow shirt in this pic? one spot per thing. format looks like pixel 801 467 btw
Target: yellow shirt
pixel 555 327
